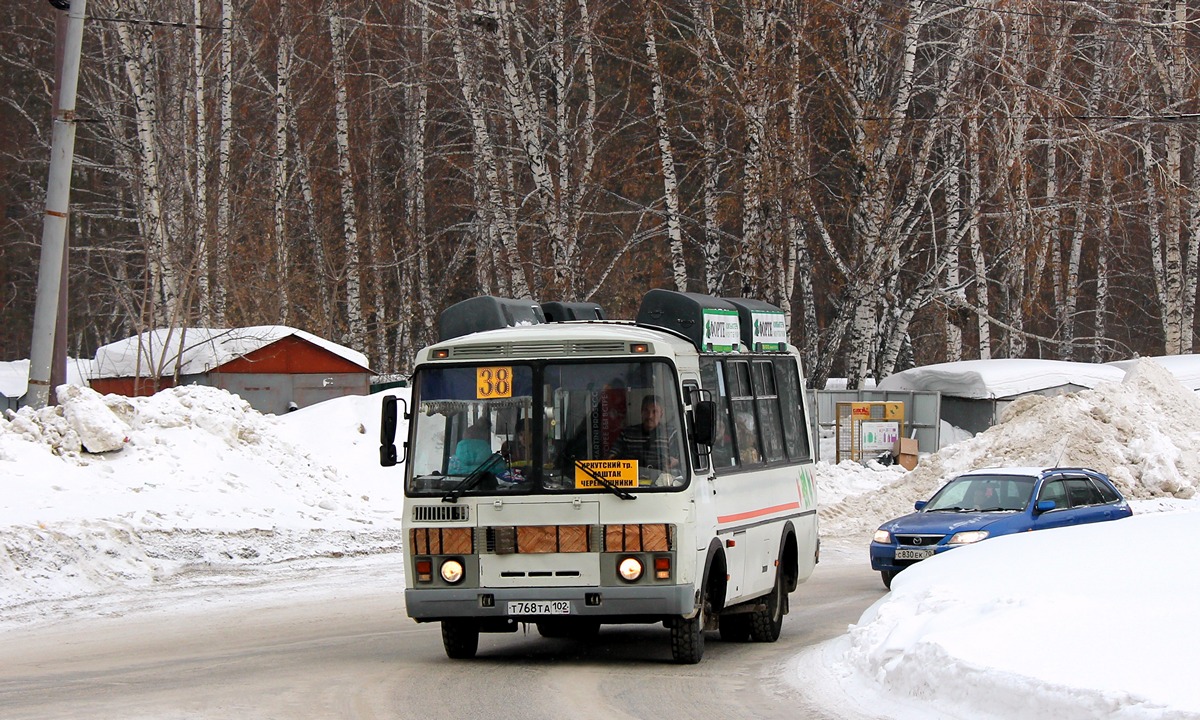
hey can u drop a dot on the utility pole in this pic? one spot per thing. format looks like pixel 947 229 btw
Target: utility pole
pixel 54 225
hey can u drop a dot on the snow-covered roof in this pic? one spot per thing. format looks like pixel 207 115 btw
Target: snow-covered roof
pixel 1001 378
pixel 14 375
pixel 1185 368
pixel 198 350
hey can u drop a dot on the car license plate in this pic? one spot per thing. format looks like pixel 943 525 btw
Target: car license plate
pixel 913 553
pixel 539 607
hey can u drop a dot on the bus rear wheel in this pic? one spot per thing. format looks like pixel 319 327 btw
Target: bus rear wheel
pixel 766 624
pixel 460 638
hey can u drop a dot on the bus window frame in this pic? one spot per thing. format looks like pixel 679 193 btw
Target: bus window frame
pixel 539 426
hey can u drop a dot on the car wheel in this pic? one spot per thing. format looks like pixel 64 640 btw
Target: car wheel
pixel 887 576
pixel 765 624
pixel 460 638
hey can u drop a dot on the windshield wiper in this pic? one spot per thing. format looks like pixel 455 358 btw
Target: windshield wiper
pixel 623 494
pixel 471 480
pixel 955 508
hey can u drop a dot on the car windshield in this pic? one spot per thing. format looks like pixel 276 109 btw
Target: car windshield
pixel 607 427
pixel 983 493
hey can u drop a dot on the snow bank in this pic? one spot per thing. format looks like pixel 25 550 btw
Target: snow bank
pixel 1070 624
pixel 190 481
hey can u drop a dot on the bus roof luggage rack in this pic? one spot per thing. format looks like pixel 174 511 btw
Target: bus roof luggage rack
pixel 762 324
pixel 565 311
pixel 487 313
pixel 710 323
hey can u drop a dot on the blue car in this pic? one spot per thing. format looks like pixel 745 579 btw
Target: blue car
pixel 990 502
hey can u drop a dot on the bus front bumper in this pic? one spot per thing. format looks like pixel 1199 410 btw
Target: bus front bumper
pixel 614 604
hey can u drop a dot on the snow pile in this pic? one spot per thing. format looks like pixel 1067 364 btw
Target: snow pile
pixel 1142 432
pixel 192 481
pixel 1069 624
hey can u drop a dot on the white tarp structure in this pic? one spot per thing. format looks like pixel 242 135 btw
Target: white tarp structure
pixel 1002 378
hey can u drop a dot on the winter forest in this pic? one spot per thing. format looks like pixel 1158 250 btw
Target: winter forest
pixel 912 181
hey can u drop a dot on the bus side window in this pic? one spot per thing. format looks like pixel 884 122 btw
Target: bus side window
pixel 745 423
pixel 713 378
pixel 700 454
pixel 766 402
pixel 791 401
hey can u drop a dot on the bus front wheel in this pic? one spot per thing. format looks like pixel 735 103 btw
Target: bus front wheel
pixel 687 635
pixel 460 638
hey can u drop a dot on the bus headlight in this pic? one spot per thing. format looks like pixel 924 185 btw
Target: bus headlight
pixel 452 571
pixel 630 569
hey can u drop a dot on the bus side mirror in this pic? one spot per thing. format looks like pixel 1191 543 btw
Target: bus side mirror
pixel 388 422
pixel 704 412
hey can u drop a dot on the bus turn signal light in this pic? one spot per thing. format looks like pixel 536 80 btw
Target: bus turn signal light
pixel 425 570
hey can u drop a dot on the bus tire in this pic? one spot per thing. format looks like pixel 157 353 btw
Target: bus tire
pixel 687 635
pixel 460 637
pixel 765 624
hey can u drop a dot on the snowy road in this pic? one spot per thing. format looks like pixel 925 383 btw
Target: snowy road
pixel 337 645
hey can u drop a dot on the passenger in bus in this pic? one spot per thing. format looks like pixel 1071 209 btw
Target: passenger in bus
pixel 652 443
pixel 472 450
pixel 747 437
pixel 516 449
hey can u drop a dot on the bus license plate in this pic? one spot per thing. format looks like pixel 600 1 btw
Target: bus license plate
pixel 539 607
pixel 913 553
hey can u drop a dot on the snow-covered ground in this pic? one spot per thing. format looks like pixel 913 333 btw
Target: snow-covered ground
pixel 110 503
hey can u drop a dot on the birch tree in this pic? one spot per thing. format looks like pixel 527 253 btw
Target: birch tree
pixel 667 155
pixel 350 242
pixel 280 175
pixel 140 69
pixel 220 266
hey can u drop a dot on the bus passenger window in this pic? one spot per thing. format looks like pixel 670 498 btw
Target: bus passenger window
pixel 790 400
pixel 745 424
pixel 767 404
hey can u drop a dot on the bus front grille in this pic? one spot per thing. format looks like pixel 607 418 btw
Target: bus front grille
pixel 441 513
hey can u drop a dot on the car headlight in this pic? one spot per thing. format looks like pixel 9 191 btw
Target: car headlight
pixel 967 537
pixel 883 537
pixel 630 569
pixel 452 571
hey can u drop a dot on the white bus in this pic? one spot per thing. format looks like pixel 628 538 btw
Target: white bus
pixel 569 471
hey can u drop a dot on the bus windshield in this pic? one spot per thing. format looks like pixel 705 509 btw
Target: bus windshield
pixel 546 428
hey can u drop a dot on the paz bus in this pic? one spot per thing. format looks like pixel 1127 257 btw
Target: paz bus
pixel 569 471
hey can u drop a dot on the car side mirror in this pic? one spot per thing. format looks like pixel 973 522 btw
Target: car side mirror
pixel 1044 506
pixel 920 505
pixel 704 413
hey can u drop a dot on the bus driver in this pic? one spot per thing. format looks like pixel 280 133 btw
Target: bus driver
pixel 652 443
